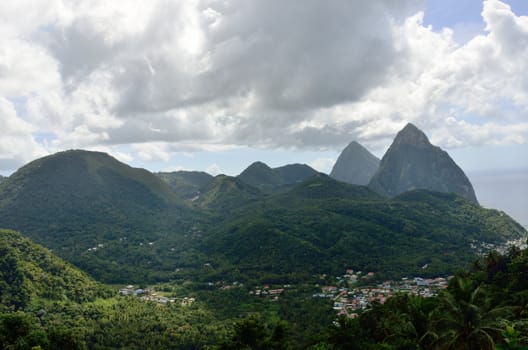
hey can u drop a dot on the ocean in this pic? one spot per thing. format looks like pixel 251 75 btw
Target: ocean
pixel 505 190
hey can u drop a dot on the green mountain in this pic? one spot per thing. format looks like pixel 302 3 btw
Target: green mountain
pixel 126 225
pixel 2 178
pixel 325 226
pixel 271 180
pixel 322 186
pixel 227 193
pixel 82 188
pixel 412 162
pixel 94 211
pixel 294 173
pixel 30 272
pixel 355 165
pixel 186 184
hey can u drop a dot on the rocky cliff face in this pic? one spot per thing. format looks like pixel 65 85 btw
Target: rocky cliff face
pixel 355 165
pixel 412 162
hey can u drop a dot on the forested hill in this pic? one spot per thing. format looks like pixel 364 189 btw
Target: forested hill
pixel 186 184
pixel 225 193
pixel 56 308
pixel 79 186
pixel 325 225
pixel 30 272
pixel 272 180
pixel 47 304
pixel 126 225
pixel 208 261
pixel 79 202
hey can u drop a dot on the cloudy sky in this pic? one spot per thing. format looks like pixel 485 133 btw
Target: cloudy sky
pixel 216 84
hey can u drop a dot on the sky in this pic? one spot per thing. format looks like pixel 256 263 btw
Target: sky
pixel 217 84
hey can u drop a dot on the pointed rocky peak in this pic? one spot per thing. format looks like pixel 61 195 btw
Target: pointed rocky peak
pixel 412 162
pixel 411 135
pixel 355 165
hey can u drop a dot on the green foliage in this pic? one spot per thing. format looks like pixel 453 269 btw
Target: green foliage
pixel 77 200
pixel 473 313
pixel 124 323
pixel 125 225
pixel 513 338
pixel 477 311
pixel 135 324
pixel 280 179
pixel 325 226
pixel 253 334
pixel 462 321
pixel 186 184
pixel 226 193
pixel 13 292
pixel 30 272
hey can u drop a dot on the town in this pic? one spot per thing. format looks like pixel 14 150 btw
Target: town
pixel 349 301
pixel 353 293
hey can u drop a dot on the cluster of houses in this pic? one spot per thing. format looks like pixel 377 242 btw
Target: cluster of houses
pixel 267 292
pixel 121 239
pixel 227 286
pixel 349 301
pixel 96 248
pixel 150 295
pixel 350 297
pixel 131 290
pixel 483 248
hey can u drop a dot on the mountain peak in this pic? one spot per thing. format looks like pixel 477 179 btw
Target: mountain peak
pixel 269 180
pixel 355 165
pixel 412 162
pixel 354 145
pixel 411 135
pixel 259 165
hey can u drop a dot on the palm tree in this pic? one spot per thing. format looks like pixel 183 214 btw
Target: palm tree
pixel 461 322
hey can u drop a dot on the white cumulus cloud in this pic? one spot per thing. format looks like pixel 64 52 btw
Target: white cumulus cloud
pixel 170 76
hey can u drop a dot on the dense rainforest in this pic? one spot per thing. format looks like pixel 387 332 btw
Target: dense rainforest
pixel 49 304
pixel 126 225
pixel 115 257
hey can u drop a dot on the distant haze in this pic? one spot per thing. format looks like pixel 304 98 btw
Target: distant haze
pixel 505 190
